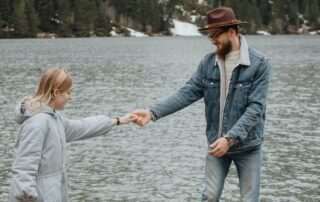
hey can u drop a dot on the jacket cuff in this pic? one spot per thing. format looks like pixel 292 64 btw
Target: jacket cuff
pixel 232 138
pixel 152 114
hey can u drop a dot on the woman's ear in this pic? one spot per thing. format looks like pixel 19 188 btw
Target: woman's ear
pixel 55 92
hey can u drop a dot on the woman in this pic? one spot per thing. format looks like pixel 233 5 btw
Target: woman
pixel 39 170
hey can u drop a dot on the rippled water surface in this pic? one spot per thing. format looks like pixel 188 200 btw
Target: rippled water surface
pixel 165 160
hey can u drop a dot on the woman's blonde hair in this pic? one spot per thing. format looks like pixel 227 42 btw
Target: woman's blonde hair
pixel 52 79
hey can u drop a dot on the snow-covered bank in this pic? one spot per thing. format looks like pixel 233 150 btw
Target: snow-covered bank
pixel 114 34
pixel 184 29
pixel 314 32
pixel 260 32
pixel 136 33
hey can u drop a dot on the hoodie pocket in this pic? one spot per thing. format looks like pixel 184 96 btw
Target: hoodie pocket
pixel 49 187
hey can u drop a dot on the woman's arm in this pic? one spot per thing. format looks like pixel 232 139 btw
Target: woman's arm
pixel 28 150
pixel 92 126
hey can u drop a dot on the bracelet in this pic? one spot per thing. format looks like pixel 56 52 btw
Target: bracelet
pixel 231 141
pixel 118 121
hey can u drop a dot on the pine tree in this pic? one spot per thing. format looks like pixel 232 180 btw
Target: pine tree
pixel 62 19
pixel 31 19
pixel 5 10
pixel 2 25
pixel 312 12
pixel 265 11
pixel 85 12
pixel 45 9
pixel 102 25
pixel 19 19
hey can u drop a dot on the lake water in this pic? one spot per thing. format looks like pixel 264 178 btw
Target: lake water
pixel 165 160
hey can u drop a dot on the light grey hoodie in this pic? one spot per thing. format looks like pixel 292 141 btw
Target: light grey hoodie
pixel 39 169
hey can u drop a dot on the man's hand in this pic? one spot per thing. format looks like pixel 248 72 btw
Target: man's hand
pixel 219 147
pixel 143 117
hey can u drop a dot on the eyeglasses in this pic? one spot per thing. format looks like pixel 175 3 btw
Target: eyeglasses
pixel 215 35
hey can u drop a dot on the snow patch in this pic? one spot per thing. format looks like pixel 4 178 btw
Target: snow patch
pixel 184 29
pixel 113 33
pixel 315 32
pixel 136 33
pixel 261 32
pixel 193 18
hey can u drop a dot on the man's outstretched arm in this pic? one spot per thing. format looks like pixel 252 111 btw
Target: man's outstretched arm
pixel 192 91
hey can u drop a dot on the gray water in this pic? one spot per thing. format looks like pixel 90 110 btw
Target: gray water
pixel 165 160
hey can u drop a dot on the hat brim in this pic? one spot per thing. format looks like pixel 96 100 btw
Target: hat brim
pixel 221 25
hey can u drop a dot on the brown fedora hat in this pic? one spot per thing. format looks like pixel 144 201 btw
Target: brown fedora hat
pixel 221 17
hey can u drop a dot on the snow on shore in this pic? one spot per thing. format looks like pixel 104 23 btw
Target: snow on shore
pixel 136 33
pixel 184 29
pixel 260 32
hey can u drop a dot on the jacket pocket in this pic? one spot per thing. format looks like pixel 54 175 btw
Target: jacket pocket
pixel 49 187
pixel 212 90
pixel 242 90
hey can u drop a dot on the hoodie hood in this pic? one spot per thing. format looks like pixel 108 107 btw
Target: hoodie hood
pixel 23 112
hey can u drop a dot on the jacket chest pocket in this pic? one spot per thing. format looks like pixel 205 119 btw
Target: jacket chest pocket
pixel 242 90
pixel 212 90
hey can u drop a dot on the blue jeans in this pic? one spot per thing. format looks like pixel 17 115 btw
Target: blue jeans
pixel 248 165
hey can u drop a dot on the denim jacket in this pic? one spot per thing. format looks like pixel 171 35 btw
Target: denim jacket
pixel 245 108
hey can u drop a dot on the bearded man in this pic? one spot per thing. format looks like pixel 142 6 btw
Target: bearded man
pixel 234 82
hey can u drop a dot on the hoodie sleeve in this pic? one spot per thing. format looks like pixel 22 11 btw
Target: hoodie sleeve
pixel 87 127
pixel 28 151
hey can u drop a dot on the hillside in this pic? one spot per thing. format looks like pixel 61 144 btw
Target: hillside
pixel 85 18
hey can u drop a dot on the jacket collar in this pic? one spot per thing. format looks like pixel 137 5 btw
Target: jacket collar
pixel 244 52
pixel 49 110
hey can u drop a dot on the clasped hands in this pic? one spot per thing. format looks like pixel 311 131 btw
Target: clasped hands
pixel 139 117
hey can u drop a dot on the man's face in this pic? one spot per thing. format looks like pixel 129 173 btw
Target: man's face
pixel 220 38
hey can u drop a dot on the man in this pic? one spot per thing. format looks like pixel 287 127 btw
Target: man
pixel 234 83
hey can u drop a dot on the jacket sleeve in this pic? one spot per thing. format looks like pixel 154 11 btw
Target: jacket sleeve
pixel 256 103
pixel 28 151
pixel 86 127
pixel 188 94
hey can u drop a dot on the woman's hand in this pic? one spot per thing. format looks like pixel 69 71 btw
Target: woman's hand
pixel 128 118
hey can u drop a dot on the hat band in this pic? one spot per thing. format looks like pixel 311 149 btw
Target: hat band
pixel 223 23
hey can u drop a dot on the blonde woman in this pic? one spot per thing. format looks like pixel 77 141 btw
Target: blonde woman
pixel 39 170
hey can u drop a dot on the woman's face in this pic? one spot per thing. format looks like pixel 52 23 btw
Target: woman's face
pixel 61 98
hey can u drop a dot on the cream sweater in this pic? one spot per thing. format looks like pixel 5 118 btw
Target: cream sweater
pixel 226 67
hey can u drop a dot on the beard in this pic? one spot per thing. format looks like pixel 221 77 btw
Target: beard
pixel 224 50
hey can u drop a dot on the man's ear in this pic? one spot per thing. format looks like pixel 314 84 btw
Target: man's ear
pixel 232 31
